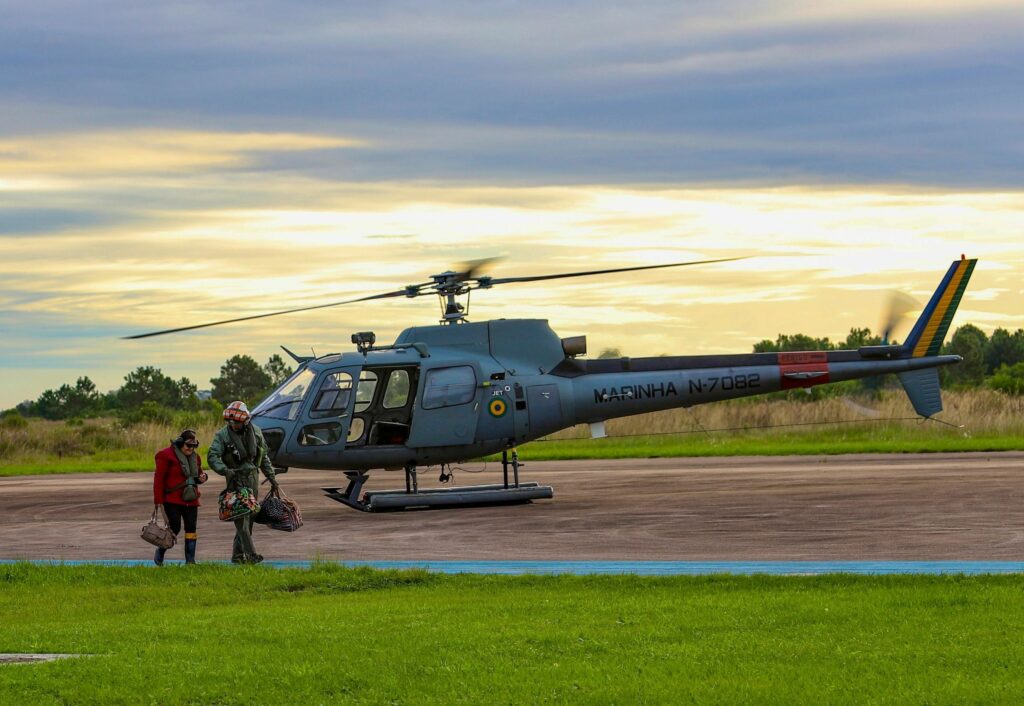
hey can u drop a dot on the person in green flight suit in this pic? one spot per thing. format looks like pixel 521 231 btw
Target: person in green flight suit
pixel 239 452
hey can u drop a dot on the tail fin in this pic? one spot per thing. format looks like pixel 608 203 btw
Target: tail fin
pixel 930 330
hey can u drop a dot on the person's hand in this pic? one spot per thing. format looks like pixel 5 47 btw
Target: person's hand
pixel 229 476
pixel 248 467
pixel 274 485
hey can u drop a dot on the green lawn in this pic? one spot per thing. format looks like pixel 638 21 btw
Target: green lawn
pixel 125 460
pixel 831 441
pixel 231 635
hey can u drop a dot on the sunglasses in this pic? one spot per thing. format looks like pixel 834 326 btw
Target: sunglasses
pixel 192 444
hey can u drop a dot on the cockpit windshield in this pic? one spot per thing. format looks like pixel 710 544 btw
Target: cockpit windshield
pixel 285 401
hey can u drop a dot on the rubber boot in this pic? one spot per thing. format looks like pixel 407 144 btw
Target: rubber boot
pixel 190 551
pixel 158 558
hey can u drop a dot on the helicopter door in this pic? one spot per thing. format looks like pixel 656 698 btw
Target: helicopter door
pixel 327 423
pixel 545 409
pixel 383 408
pixel 446 408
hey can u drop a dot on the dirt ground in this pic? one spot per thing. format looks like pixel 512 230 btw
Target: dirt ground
pixel 866 507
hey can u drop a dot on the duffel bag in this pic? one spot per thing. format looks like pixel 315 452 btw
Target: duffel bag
pixel 272 509
pixel 233 504
pixel 293 520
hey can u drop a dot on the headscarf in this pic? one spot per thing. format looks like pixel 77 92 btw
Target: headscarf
pixel 189 464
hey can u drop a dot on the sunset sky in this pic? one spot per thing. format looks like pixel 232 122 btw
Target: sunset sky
pixel 166 164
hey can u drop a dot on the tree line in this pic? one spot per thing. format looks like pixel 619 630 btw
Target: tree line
pixel 995 361
pixel 150 395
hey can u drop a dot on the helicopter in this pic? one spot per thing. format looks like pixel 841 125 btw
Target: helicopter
pixel 463 390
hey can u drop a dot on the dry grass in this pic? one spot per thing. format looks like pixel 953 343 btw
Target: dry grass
pixel 42 440
pixel 982 412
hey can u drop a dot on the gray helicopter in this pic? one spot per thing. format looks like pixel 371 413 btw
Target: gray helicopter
pixel 463 390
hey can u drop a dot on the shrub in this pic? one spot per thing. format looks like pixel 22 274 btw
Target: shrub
pixel 1008 379
pixel 12 419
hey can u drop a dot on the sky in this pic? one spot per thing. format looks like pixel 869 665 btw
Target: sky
pixel 167 164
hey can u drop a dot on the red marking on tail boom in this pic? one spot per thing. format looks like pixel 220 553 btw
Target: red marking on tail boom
pixel 803 369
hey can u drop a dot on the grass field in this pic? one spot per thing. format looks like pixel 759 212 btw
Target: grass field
pixel 230 635
pixel 992 422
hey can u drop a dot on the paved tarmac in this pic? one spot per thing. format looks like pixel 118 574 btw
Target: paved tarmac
pixel 927 507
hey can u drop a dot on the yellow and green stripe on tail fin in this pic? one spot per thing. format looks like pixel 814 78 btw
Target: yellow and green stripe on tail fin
pixel 930 330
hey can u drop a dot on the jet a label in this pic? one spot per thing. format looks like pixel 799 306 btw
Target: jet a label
pixel 635 392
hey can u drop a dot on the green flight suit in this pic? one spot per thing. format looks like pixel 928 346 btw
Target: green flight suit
pixel 241 469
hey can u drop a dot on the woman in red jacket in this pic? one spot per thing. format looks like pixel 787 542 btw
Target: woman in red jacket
pixel 179 472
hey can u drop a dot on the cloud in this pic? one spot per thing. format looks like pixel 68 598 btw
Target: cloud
pixel 731 92
pixel 134 152
pixel 813 248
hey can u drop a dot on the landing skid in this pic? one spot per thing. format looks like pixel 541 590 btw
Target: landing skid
pixel 412 497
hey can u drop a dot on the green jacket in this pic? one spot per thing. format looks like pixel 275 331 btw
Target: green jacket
pixel 239 468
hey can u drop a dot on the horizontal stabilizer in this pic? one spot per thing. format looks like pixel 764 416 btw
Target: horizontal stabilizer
pixel 922 388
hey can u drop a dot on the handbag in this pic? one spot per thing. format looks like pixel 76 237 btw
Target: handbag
pixel 233 504
pixel 157 534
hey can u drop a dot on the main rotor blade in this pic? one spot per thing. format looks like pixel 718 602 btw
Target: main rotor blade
pixel 472 269
pixel 386 295
pixel 505 280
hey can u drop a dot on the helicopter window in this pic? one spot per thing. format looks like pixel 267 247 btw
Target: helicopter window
pixel 320 434
pixel 447 387
pixel 397 392
pixel 334 395
pixel 284 403
pixel 365 389
pixel 355 431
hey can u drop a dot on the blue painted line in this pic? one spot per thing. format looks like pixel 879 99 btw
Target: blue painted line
pixel 636 568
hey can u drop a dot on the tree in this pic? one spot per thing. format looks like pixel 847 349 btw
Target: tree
pixel 187 394
pixel 67 401
pixel 1004 349
pixel 860 337
pixel 149 384
pixel 241 378
pixel 278 370
pixel 794 342
pixel 49 405
pixel 969 342
pixel 610 353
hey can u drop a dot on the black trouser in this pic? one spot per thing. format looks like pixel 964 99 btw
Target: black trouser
pixel 177 513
